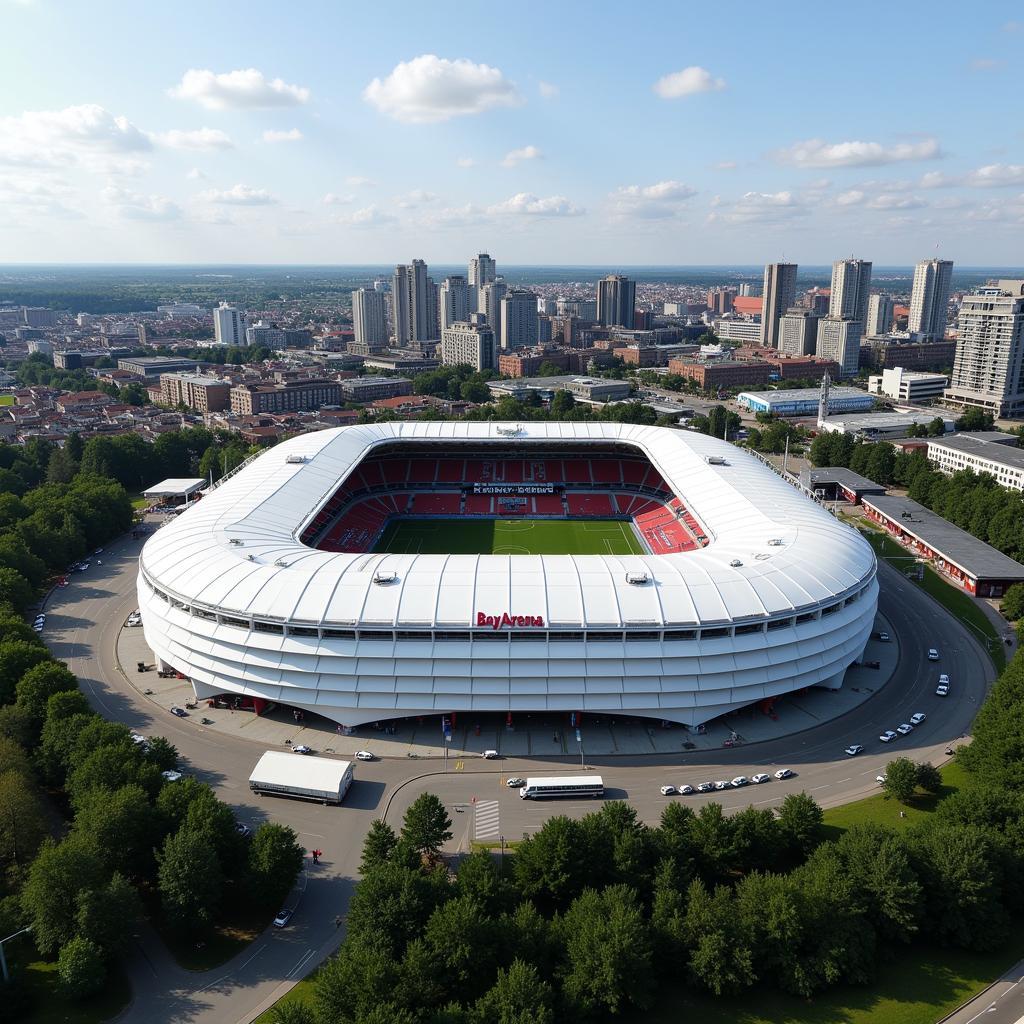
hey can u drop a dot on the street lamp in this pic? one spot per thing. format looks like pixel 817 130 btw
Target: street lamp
pixel 579 740
pixel 3 959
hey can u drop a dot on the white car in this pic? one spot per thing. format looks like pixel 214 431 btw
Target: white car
pixel 917 718
pixel 170 776
pixel 888 736
pixel 933 655
pixel 364 755
pixel 853 748
pixel 685 790
pixel 880 779
pixel 942 690
pixel 884 637
pixel 759 778
pixel 705 787
pixel 489 755
pixel 301 748
pixel 740 780
pixel 943 680
pixel 784 773
pixel 515 782
pixel 242 830
pixel 905 729
pixel 138 739
pixel 667 790
pixel 722 784
pixel 282 919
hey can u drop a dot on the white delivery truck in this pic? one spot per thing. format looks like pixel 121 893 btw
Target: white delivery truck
pixel 305 778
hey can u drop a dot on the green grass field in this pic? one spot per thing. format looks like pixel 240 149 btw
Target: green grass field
pixel 510 537
pixel 6 399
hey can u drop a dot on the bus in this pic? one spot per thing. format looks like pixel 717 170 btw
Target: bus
pixel 554 786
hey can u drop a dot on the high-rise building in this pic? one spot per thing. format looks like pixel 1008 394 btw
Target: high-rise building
pixel 719 300
pixel 413 305
pixel 519 319
pixel 491 295
pixel 988 371
pixel 745 290
pixel 851 288
pixel 839 340
pixel 582 309
pixel 798 332
pixel 929 299
pixel 616 301
pixel 779 293
pixel 229 325
pixel 471 343
pixel 482 271
pixel 879 316
pixel 453 304
pixel 369 320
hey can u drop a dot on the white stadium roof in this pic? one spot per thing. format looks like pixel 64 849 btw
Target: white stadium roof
pixel 771 549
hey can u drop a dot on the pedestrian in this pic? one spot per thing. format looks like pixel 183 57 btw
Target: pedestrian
pixel 337 922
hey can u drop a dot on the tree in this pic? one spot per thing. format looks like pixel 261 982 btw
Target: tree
pixel 426 826
pixel 292 1013
pixel 1012 605
pixel 378 845
pixel 106 915
pixel 190 881
pixel 16 658
pixel 552 866
pixel 462 942
pixel 39 684
pixel 275 860
pixel 162 753
pixel 720 959
pixel 519 996
pixel 363 975
pixel 928 777
pixel 480 878
pixel 800 820
pixel 121 826
pixel 22 819
pixel 668 914
pixel 80 968
pixel 900 779
pixel 562 404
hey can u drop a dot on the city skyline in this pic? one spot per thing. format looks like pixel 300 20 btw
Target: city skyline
pixel 217 139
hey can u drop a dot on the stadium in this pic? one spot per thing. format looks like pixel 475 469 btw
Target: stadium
pixel 388 570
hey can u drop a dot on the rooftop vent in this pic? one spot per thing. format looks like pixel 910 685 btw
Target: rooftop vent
pixel 637 579
pixel 236 542
pixel 252 558
pixel 510 431
pixel 735 563
pixel 715 460
pixel 775 542
pixel 382 579
pixel 282 564
pixel 296 458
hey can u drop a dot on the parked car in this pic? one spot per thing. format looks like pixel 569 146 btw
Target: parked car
pixel 887 737
pixel 171 776
pixel 739 781
pixel 884 637
pixel 667 790
pixel 364 755
pixel 180 712
pixel 685 790
pixel 283 917
pixel 880 779
pixel 515 782
pixel 243 830
pixel 138 739
pixel 917 718
pixel 933 654
pixel 705 787
pixel 784 773
pixel 301 748
pixel 759 778
pixel 722 784
pixel 853 748
pixel 489 755
pixel 905 729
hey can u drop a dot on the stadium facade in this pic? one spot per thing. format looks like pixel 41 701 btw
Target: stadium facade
pixel 269 587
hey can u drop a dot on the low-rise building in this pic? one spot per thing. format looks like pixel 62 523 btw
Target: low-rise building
pixel 204 394
pixel 153 366
pixel 988 452
pixel 880 353
pixel 728 373
pixel 884 426
pixel 371 389
pixel 292 395
pixel 904 385
pixel 797 402
pixel 599 390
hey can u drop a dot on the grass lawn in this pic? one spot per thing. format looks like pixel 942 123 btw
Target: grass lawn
pixel 960 604
pixel 302 993
pixel 884 810
pixel 6 399
pixel 226 940
pixel 916 986
pixel 50 1007
pixel 511 537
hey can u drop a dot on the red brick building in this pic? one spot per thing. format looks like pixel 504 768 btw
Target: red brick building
pixel 729 373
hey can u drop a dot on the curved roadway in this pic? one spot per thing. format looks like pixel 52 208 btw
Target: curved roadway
pixel 82 627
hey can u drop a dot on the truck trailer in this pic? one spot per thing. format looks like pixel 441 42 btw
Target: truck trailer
pixel 304 778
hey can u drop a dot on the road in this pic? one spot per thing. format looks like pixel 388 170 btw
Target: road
pixel 82 626
pixel 1000 1003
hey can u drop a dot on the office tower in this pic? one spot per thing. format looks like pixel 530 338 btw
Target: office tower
pixel 745 290
pixel 779 292
pixel 988 370
pixel 491 295
pixel 798 332
pixel 369 319
pixel 413 305
pixel 453 301
pixel 929 299
pixel 519 319
pixel 229 325
pixel 482 271
pixel 719 300
pixel 546 307
pixel 839 340
pixel 582 309
pixel 879 316
pixel 381 285
pixel 616 301
pixel 851 287
pixel 819 304
pixel 470 343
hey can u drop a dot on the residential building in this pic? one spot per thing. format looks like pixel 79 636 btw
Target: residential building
pixel 851 289
pixel 265 335
pixel 720 300
pixel 582 309
pixel 453 303
pixel 229 325
pixel 912 355
pixel 489 305
pixel 38 316
pixel 370 389
pixel 413 305
pixel 728 373
pixel 482 271
pixel 798 331
pixel 369 321
pixel 985 452
pixel 988 372
pixel 470 343
pixel 745 331
pixel 779 293
pixel 929 299
pixel 204 394
pixel 879 320
pixel 903 385
pixel 616 301
pixel 289 396
pixel 519 320
pixel 839 339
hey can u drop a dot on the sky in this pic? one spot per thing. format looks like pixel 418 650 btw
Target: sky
pixel 555 132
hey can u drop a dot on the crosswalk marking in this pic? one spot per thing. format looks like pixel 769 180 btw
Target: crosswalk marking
pixel 486 822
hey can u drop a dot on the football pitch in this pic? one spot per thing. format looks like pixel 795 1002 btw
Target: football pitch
pixel 510 537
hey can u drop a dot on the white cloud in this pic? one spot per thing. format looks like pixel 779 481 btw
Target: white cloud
pixel 417 197
pixel 40 197
pixel 530 205
pixel 517 156
pixel 430 88
pixel 368 217
pixel 335 199
pixel 136 206
pixel 651 202
pixel 762 208
pixel 291 135
pixel 996 176
pixel 725 165
pixel 547 90
pixel 817 153
pixel 687 82
pixel 465 161
pixel 245 89
pixel 355 181
pixel 887 201
pixel 985 64
pixel 452 217
pixel 86 134
pixel 196 175
pixel 199 138
pixel 238 195
pixel 1013 26
pixel 852 197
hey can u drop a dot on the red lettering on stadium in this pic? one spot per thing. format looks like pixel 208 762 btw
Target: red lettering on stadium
pixel 506 621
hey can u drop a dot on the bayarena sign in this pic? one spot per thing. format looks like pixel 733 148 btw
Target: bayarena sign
pixel 506 621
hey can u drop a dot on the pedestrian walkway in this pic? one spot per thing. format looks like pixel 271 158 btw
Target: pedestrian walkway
pixel 486 823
